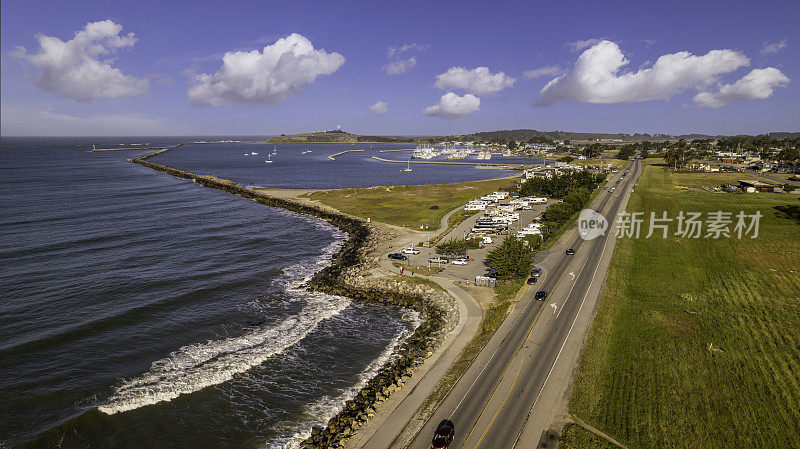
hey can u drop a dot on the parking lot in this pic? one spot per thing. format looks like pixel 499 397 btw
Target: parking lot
pixel 477 257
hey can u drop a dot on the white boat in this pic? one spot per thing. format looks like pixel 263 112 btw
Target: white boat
pixel 423 152
pixel 408 167
pixel 269 159
pixel 253 153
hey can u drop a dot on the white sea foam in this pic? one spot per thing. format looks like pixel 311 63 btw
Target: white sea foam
pixel 194 367
pixel 321 411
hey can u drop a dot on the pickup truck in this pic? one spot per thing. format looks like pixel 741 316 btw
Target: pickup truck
pixel 437 260
pixel 410 250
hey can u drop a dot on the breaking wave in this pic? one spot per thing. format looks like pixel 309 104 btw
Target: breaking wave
pixel 197 366
pixel 321 411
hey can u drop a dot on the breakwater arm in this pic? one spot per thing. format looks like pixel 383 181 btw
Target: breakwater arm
pixel 95 150
pixel 333 156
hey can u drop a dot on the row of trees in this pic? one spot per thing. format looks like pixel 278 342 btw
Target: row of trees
pixel 560 186
pixel 514 258
pixel 457 246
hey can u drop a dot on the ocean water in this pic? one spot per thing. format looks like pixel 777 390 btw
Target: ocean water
pixel 141 310
pixel 290 168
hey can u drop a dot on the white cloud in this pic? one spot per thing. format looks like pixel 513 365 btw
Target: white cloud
pixel 264 77
pixel 19 120
pixel 400 66
pixel 380 107
pixel 577 46
pixel 771 49
pixel 542 71
pixel 453 107
pixel 478 81
pixel 759 83
pixel 596 76
pixel 392 51
pixel 74 70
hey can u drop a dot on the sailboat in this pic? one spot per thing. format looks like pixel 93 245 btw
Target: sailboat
pixel 408 166
pixel 275 150
pixel 268 160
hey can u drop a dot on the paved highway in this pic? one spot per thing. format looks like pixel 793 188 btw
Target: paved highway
pixel 492 402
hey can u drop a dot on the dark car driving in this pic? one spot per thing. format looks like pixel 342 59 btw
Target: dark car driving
pixel 541 295
pixel 444 434
pixel 532 280
pixel 398 256
pixel 570 252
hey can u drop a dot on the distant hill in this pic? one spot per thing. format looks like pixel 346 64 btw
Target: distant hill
pixel 338 136
pixel 532 134
pixel 335 136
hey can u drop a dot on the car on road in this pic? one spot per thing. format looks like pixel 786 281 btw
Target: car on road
pixel 437 260
pixel 541 295
pixel 410 250
pixel 460 262
pixel 570 252
pixel 398 256
pixel 612 189
pixel 444 434
pixel 532 280
pixel 536 272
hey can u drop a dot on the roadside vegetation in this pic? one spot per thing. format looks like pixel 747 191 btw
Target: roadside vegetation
pixel 409 206
pixel 576 191
pixel 561 185
pixel 510 259
pixel 457 246
pixel 696 342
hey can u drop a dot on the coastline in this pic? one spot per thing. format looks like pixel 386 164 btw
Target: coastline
pixel 342 277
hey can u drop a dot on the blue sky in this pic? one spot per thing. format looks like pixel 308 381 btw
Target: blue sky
pixel 726 67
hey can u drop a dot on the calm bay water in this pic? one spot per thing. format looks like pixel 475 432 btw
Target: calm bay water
pixel 290 168
pixel 140 310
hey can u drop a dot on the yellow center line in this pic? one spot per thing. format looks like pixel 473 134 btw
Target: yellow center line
pixel 530 330
pixel 522 362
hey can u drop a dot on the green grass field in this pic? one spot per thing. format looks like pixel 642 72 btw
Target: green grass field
pixel 696 343
pixel 575 437
pixel 409 206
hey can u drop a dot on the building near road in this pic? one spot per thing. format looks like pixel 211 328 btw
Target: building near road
pixel 751 186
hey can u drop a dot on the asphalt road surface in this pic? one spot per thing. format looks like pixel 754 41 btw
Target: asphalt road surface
pixel 491 403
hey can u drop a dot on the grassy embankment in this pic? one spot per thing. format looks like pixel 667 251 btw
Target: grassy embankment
pixel 408 206
pixel 697 341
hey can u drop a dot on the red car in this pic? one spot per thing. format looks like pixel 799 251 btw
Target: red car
pixel 444 434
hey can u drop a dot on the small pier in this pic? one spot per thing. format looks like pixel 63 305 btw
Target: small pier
pixel 333 156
